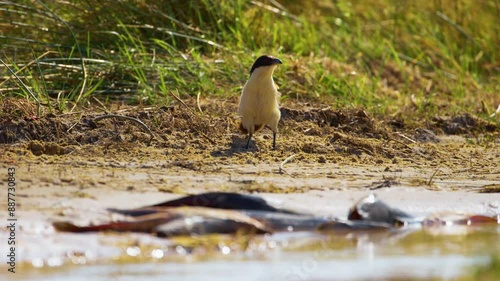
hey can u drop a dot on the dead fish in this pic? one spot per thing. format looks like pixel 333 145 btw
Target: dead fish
pixel 355 226
pixel 277 222
pixel 223 200
pixel 199 225
pixel 454 219
pixel 138 212
pixel 280 222
pixel 201 220
pixel 178 221
pixel 217 200
pixel 142 224
pixel 374 210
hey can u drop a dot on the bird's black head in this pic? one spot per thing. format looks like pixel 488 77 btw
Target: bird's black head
pixel 265 61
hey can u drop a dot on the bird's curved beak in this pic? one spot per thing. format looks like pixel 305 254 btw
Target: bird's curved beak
pixel 276 61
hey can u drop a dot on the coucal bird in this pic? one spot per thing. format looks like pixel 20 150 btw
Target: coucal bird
pixel 259 99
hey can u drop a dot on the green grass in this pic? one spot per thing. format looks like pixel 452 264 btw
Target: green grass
pixel 416 59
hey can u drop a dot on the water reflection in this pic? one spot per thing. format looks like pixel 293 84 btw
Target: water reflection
pixel 419 254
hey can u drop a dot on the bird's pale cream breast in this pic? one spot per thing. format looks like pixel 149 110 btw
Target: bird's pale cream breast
pixel 259 98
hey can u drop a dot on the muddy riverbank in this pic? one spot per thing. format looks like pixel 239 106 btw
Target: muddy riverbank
pixel 72 167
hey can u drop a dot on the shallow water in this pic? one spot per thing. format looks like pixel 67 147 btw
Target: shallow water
pixel 296 267
pixel 444 253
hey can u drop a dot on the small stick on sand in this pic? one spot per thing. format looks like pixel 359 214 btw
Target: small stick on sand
pixel 281 170
pixel 181 101
pixel 405 137
pixel 196 115
pixel 126 118
pixel 429 183
pixel 198 102
pixel 76 123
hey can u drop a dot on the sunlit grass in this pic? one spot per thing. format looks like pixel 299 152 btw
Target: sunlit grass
pixel 389 57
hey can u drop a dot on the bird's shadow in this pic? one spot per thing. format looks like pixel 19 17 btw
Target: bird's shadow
pixel 237 146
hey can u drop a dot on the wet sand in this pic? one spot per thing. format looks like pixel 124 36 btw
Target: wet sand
pixel 55 192
pixel 66 172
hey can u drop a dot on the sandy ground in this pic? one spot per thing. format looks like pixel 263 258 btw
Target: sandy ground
pixel 58 188
pixel 69 168
pixel 332 188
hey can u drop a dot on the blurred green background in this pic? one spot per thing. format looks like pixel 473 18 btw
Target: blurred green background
pixel 387 56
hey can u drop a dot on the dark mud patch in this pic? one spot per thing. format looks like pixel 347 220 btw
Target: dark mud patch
pixel 463 124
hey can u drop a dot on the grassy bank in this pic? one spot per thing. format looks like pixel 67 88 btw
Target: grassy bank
pixel 389 57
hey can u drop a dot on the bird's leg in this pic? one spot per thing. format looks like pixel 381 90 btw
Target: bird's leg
pixel 248 141
pixel 274 141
